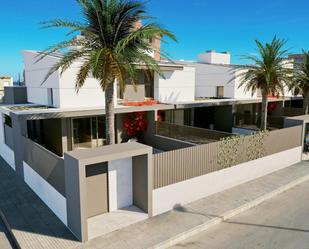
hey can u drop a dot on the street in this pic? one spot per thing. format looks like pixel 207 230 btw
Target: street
pixel 280 223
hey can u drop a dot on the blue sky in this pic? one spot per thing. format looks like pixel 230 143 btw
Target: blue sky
pixel 199 25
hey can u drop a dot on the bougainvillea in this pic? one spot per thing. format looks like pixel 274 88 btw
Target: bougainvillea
pixel 135 123
pixel 272 106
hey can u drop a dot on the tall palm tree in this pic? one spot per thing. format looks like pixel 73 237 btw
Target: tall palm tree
pixel 111 47
pixel 301 80
pixel 269 74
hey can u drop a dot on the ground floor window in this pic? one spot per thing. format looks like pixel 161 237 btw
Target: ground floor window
pixel 88 132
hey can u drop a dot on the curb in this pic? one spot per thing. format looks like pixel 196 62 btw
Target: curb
pixel 227 215
pixel 13 241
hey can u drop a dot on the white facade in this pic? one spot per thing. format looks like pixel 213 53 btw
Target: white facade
pixel 210 77
pixel 120 184
pixel 177 86
pixel 59 90
pixel 212 57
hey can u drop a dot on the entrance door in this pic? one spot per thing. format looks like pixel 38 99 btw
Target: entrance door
pixel 97 189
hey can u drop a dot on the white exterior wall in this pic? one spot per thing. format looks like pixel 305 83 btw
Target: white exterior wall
pixel 166 198
pixel 34 77
pixel 178 86
pixel 90 95
pixel 5 151
pixel 50 196
pixel 213 57
pixel 240 91
pixel 120 184
pixel 64 93
pixel 209 77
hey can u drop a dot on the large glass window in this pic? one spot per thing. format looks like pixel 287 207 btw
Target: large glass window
pixel 88 132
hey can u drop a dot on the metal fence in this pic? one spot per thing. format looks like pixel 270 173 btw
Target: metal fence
pixel 189 134
pixel 293 112
pixel 254 121
pixel 179 165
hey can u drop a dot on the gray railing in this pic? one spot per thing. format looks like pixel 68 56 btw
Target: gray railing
pixel 179 165
pixel 254 121
pixel 293 112
pixel 193 135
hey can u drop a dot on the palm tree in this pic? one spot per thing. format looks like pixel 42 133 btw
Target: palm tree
pixel 269 73
pixel 301 80
pixel 111 47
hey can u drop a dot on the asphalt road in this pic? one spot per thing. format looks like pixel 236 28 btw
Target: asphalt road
pixel 280 223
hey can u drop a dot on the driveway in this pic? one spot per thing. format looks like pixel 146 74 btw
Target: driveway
pixel 280 223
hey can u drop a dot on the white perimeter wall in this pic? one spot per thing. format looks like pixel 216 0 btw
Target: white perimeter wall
pixel 120 184
pixel 5 151
pixel 178 86
pixel 166 198
pixel 50 196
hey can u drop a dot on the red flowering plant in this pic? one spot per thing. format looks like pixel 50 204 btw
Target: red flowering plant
pixel 135 123
pixel 272 106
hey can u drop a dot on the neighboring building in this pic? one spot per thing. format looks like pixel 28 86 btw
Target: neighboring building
pixel 4 81
pixel 297 58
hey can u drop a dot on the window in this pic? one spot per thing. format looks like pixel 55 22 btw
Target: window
pixel 89 132
pixel 220 92
pixel 50 97
pixel 149 84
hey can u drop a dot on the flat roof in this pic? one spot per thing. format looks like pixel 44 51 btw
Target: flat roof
pixel 163 64
pixel 223 102
pixel 110 152
pixel 81 112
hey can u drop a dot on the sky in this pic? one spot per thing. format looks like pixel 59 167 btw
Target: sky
pixel 199 25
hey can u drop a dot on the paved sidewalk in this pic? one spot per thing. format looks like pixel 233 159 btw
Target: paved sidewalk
pixel 4 240
pixel 169 228
pixel 32 222
pixel 35 226
pixel 279 223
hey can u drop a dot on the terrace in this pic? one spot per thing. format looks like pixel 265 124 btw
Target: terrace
pixel 189 134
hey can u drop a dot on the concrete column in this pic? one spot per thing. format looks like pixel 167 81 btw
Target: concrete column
pixel 76 196
pixel 64 135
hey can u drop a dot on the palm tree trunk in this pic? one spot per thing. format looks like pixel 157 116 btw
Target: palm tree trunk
pixel 264 111
pixel 306 104
pixel 110 112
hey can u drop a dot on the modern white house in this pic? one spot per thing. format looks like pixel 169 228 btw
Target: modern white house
pixel 59 90
pixel 54 138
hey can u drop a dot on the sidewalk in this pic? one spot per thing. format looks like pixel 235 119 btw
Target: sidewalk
pixel 35 226
pixel 33 223
pixel 168 229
